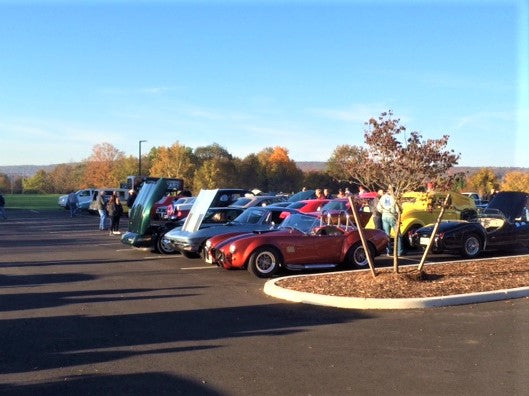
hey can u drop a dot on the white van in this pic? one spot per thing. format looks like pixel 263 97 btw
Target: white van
pixel 84 197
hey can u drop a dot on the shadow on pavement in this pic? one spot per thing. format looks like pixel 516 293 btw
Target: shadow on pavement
pixel 43 343
pixel 130 384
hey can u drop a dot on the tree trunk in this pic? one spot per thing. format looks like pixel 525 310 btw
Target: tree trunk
pixel 396 241
pixel 434 231
pixel 362 237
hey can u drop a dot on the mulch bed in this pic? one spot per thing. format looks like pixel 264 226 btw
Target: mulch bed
pixel 437 280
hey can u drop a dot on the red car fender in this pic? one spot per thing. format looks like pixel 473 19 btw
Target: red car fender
pixel 247 244
pixel 351 238
pixel 378 238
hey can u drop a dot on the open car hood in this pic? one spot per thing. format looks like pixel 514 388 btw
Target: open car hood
pixel 510 203
pixel 151 192
pixel 220 197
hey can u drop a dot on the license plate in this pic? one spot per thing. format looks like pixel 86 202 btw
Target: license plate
pixel 424 241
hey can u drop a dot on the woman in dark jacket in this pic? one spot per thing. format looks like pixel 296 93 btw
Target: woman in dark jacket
pixel 115 210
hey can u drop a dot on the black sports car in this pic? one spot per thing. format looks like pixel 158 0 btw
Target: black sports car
pixel 503 224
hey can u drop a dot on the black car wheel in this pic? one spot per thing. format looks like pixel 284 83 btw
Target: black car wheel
pixel 406 245
pixel 356 256
pixel 471 246
pixel 164 247
pixel 264 262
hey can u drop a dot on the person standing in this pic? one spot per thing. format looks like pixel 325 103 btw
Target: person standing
pixel 131 198
pixel 373 207
pixel 388 209
pixel 2 207
pixel 101 208
pixel 73 203
pixel 115 210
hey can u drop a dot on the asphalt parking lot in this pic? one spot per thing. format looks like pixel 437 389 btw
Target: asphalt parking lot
pixel 81 313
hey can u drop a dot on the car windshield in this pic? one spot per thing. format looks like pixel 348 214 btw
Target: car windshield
pixel 335 205
pixel 250 216
pixel 241 201
pixel 297 205
pixel 490 214
pixel 180 201
pixel 220 215
pixel 300 222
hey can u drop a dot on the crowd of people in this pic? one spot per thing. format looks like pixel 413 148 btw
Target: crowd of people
pixel 109 209
pixel 382 208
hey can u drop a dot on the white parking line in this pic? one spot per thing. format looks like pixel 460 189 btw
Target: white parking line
pixel 158 257
pixel 199 268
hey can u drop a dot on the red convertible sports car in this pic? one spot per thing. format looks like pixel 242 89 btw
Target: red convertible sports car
pixel 301 242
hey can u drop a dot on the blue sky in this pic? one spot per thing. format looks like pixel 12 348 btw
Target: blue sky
pixel 305 75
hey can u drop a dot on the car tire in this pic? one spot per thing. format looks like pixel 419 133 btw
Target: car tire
pixel 471 247
pixel 356 256
pixel 162 247
pixel 405 239
pixel 264 262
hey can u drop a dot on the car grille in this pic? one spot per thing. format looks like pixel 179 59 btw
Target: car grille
pixel 219 256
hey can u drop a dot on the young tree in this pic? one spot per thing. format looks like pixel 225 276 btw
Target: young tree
pixel 395 163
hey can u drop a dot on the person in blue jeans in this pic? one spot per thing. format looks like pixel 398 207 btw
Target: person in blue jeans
pixel 2 207
pixel 101 208
pixel 388 209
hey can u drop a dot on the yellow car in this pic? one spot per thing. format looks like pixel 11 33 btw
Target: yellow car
pixel 422 208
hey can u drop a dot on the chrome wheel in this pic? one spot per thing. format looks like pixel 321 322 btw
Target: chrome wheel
pixel 471 246
pixel 357 257
pixel 264 262
pixel 163 246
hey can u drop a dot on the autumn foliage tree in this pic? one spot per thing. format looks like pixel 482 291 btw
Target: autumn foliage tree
pixel 38 183
pixel 280 172
pixel 102 168
pixel 216 168
pixel 482 181
pixel 516 181
pixel 393 162
pixel 176 161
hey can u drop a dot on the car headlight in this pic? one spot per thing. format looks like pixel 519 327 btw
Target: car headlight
pixel 232 248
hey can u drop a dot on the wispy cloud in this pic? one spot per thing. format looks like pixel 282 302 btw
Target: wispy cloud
pixel 483 120
pixel 355 113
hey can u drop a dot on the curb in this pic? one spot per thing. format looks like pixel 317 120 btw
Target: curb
pixel 271 289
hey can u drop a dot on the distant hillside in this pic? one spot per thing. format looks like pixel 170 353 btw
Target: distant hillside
pixel 305 166
pixel 25 170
